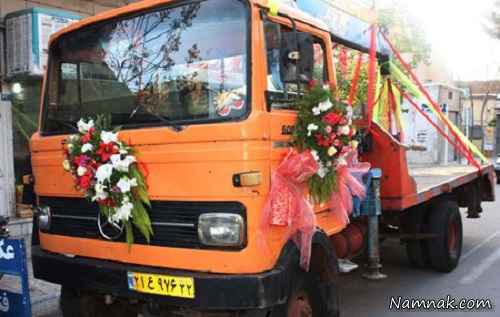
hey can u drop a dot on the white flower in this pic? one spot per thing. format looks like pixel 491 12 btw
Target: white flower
pixel 125 184
pixel 87 147
pixel 80 171
pixel 311 127
pixel 104 172
pixel 84 127
pixel 322 171
pixel 341 161
pixel 325 105
pixel 70 147
pixel 332 151
pixel 316 111
pixel 344 130
pixel 123 212
pixel 100 192
pixel 315 155
pixel 108 137
pixel 122 165
pixel 73 138
pixel 66 165
pixel 350 112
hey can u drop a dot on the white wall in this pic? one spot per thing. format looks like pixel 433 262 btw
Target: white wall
pixel 7 188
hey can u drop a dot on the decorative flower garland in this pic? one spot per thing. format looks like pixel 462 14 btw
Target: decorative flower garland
pixel 324 128
pixel 106 170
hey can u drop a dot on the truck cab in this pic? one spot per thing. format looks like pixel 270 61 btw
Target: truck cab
pixel 189 83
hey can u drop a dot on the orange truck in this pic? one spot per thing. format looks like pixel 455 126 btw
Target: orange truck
pixel 157 68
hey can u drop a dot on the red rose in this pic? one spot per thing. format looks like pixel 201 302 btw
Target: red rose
pixel 332 118
pixel 86 138
pixel 312 83
pixel 107 202
pixel 106 150
pixel 93 165
pixel 322 140
pixel 84 182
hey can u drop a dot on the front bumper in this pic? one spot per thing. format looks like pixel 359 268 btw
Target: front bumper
pixel 213 291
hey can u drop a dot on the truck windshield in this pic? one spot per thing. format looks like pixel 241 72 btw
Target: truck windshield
pixel 177 65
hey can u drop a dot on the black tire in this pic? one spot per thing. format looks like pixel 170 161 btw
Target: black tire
pixel 80 304
pixel 322 297
pixel 69 302
pixel 416 250
pixel 445 250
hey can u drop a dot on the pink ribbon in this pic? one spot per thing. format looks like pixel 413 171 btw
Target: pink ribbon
pixel 287 205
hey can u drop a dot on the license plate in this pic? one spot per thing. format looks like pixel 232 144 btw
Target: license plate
pixel 161 284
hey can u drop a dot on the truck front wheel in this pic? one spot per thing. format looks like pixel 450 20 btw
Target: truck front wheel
pixel 445 249
pixel 75 303
pixel 310 297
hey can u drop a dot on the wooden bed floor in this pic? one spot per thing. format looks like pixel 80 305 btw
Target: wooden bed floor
pixel 428 177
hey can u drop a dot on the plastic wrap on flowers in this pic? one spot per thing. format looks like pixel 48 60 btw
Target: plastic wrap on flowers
pixel 287 205
pixel 349 185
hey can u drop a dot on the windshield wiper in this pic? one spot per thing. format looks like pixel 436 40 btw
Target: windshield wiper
pixel 157 116
pixel 163 119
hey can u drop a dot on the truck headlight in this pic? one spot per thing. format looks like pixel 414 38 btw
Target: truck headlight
pixel 44 218
pixel 221 229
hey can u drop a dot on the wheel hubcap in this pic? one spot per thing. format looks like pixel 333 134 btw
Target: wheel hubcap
pixel 300 306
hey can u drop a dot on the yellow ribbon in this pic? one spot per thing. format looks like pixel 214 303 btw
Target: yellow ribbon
pixel 274 6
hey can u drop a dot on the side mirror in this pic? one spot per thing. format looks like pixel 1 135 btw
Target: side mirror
pixel 297 57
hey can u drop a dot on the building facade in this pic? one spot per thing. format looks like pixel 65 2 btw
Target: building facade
pixel 434 148
pixel 483 97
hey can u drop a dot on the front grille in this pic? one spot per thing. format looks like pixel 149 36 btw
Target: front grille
pixel 175 224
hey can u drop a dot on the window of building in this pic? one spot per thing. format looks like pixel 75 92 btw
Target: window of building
pixel 450 95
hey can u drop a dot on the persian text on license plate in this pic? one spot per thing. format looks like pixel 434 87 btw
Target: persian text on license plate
pixel 161 284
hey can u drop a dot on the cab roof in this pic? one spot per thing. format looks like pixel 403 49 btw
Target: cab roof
pixel 149 4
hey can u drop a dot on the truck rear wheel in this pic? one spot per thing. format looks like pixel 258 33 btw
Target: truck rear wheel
pixel 416 249
pixel 445 221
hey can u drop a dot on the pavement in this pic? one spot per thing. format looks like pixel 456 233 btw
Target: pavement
pixel 478 276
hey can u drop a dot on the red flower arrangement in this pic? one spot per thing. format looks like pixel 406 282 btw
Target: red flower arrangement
pixel 106 170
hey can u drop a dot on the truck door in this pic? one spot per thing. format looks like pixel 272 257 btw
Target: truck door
pixel 7 188
pixel 280 104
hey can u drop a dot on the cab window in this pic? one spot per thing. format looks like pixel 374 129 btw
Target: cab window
pixel 273 33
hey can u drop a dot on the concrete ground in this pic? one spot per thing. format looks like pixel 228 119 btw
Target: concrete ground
pixel 478 276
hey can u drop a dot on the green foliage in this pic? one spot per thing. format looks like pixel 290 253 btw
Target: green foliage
pixel 320 188
pixel 493 123
pixel 344 80
pixel 406 33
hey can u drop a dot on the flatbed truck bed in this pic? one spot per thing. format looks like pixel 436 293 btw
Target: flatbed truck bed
pixel 433 181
